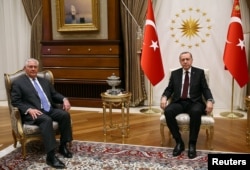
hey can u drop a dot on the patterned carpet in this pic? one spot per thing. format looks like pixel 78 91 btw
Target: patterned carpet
pixel 107 156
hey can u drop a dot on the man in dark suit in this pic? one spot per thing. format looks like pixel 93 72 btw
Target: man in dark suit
pixel 27 99
pixel 192 102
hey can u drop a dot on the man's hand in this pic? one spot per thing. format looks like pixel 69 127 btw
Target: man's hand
pixel 34 113
pixel 209 107
pixel 164 102
pixel 66 104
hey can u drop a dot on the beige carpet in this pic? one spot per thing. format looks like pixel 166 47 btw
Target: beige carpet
pixel 99 155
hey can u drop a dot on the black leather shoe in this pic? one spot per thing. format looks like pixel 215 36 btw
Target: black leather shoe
pixel 65 152
pixel 192 151
pixel 178 149
pixel 55 162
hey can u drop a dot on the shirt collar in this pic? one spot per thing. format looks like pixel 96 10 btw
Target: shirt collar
pixel 184 71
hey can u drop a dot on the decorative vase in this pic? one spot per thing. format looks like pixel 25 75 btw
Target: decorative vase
pixel 113 81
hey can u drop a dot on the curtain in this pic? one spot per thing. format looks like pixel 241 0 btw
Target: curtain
pixel 248 52
pixel 33 9
pixel 132 21
pixel 245 18
pixel 14 36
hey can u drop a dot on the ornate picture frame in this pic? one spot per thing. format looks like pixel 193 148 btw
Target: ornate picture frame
pixel 77 15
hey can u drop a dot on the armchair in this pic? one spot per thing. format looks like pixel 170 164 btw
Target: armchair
pixel 21 132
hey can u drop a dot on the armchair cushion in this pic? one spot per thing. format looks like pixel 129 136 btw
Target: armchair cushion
pixel 183 119
pixel 33 129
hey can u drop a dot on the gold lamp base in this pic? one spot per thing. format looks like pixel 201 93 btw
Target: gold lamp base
pixel 150 111
pixel 232 115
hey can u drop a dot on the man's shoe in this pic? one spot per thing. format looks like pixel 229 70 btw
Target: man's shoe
pixel 65 152
pixel 192 151
pixel 178 149
pixel 55 162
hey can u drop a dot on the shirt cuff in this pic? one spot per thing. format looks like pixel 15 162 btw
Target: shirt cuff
pixel 27 111
pixel 211 100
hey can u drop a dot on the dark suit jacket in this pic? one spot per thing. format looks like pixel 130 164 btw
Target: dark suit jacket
pixel 24 95
pixel 198 86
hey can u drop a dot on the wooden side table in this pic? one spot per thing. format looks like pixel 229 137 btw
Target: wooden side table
pixel 247 102
pixel 121 101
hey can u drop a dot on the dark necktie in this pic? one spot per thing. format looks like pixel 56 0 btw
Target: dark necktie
pixel 42 96
pixel 185 86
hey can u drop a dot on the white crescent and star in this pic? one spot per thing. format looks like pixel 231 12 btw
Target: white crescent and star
pixel 154 44
pixel 241 42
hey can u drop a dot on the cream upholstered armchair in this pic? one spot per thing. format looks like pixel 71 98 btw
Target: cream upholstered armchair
pixel 21 132
pixel 207 123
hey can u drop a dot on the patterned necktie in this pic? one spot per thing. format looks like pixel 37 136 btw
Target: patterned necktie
pixel 42 96
pixel 185 86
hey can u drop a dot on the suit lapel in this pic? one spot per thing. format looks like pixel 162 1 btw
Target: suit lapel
pixel 192 77
pixel 179 78
pixel 30 86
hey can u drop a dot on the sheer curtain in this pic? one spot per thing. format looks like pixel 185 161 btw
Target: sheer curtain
pixel 15 39
pixel 245 17
pixel 247 34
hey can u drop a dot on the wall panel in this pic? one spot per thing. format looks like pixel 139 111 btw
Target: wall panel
pixel 81 67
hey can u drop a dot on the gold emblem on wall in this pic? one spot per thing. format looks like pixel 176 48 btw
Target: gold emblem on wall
pixel 190 28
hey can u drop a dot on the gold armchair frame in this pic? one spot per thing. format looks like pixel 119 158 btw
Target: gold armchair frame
pixel 19 131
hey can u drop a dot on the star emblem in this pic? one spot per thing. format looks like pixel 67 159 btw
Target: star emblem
pixel 190 28
pixel 241 44
pixel 154 45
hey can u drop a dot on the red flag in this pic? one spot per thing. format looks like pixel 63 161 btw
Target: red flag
pixel 234 53
pixel 151 61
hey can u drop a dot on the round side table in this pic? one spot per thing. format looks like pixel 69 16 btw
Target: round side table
pixel 109 102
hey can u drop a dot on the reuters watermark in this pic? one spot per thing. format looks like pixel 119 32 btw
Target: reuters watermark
pixel 226 161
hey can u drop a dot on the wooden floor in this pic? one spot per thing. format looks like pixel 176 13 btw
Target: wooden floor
pixel 230 134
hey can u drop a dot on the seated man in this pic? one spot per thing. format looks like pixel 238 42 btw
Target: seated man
pixel 186 87
pixel 35 98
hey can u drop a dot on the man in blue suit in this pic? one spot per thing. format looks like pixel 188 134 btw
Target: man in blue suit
pixel 33 111
pixel 190 101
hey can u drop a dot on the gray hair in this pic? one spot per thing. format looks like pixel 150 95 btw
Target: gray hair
pixel 31 59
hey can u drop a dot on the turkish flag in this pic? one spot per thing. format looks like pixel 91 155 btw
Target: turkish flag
pixel 234 53
pixel 151 61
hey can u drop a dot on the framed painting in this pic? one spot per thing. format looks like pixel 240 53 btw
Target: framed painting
pixel 77 15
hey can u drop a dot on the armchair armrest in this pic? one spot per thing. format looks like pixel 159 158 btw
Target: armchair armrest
pixel 210 114
pixel 16 121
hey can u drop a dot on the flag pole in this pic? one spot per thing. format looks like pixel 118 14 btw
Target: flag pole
pixel 231 114
pixel 151 61
pixel 234 57
pixel 150 110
